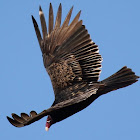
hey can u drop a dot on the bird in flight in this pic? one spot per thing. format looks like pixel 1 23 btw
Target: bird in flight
pixel 73 63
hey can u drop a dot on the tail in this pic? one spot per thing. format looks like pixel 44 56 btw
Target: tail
pixel 124 77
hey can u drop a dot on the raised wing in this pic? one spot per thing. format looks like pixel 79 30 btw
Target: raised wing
pixel 71 59
pixel 69 54
pixel 25 119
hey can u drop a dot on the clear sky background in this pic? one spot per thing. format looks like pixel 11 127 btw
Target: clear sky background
pixel 24 84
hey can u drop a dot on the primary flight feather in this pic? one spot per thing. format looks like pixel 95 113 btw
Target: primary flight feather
pixel 73 63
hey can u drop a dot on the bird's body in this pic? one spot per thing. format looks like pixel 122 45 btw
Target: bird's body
pixel 73 63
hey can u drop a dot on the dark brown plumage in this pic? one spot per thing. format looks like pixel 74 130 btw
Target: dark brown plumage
pixel 73 63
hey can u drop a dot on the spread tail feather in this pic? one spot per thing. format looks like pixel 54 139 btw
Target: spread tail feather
pixel 124 77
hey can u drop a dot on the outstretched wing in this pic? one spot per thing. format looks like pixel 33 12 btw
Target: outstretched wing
pixel 69 54
pixel 71 59
pixel 25 119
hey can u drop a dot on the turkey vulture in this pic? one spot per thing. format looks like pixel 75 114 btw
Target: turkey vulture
pixel 73 63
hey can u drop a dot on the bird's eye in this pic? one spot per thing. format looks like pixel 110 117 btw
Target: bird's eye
pixel 48 121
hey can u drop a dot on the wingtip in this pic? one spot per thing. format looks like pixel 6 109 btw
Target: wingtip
pixel 14 122
pixel 72 7
pixel 50 8
pixel 138 77
pixel 40 9
pixel 50 4
pixel 11 121
pixel 33 19
pixel 70 12
pixel 80 12
pixel 8 118
pixel 60 6
pixel 13 114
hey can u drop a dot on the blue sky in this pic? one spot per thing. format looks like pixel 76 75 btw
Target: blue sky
pixel 25 85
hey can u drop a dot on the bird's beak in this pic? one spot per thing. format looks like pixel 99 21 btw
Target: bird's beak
pixel 46 128
pixel 48 123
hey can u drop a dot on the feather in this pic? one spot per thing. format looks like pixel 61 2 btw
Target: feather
pixel 37 32
pixel 51 18
pixel 67 19
pixel 58 17
pixel 43 23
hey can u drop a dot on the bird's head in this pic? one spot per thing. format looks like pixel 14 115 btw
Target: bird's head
pixel 49 122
